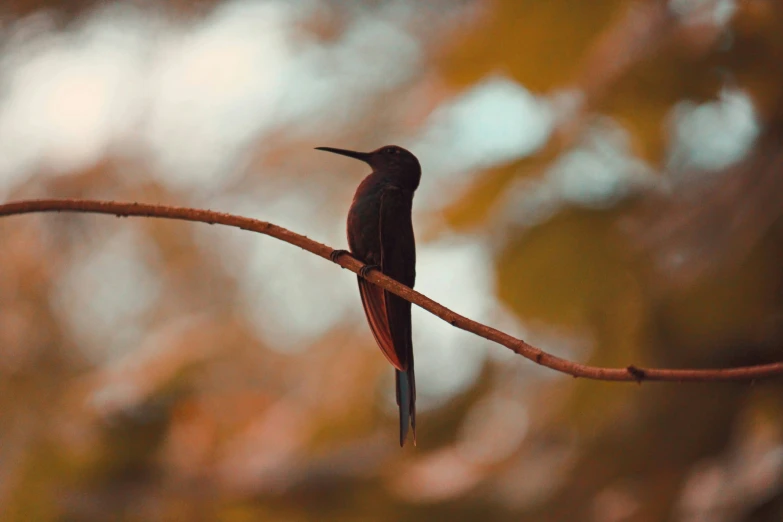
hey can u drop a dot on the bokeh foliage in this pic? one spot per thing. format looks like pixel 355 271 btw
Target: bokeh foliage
pixel 202 420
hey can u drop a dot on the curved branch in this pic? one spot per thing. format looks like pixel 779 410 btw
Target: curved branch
pixel 630 373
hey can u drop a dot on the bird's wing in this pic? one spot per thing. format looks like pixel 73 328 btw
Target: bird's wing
pixel 398 261
pixel 389 315
pixel 374 304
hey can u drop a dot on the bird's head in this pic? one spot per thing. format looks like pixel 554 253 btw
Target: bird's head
pixel 399 164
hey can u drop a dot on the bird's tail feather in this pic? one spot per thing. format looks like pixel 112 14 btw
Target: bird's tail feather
pixel 406 400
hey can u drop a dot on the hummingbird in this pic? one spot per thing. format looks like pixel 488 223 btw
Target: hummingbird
pixel 380 234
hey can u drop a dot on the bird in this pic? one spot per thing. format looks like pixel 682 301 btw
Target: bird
pixel 380 234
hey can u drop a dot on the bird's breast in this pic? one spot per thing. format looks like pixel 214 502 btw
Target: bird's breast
pixel 364 236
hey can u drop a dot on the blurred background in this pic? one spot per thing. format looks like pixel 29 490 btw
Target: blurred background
pixel 602 179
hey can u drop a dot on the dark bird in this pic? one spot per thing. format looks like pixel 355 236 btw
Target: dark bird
pixel 380 234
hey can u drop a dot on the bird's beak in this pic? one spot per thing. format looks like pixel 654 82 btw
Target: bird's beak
pixel 362 156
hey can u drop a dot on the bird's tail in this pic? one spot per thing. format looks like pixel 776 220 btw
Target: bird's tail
pixel 406 400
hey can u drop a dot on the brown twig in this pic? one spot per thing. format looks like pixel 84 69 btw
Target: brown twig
pixel 630 373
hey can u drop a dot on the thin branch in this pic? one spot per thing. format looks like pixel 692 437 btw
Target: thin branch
pixel 630 373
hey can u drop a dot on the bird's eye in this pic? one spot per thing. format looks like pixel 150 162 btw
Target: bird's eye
pixel 392 150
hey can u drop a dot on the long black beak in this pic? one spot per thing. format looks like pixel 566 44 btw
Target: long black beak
pixel 362 156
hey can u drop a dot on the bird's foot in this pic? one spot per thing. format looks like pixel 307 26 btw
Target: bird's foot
pixel 366 269
pixel 337 253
